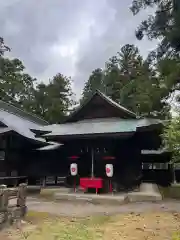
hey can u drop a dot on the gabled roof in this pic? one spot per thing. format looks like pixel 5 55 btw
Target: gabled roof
pixel 121 109
pixel 113 103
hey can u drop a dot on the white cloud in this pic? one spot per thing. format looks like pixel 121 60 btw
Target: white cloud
pixel 68 36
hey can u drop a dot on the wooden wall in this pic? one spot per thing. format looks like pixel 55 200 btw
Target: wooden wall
pixel 22 157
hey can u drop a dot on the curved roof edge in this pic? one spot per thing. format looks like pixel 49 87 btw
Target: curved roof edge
pixel 23 114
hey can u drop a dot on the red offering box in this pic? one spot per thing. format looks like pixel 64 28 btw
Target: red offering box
pixel 96 183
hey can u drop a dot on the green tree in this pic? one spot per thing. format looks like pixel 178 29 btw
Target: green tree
pixel 3 47
pixel 171 138
pixel 52 101
pixel 95 81
pixel 40 101
pixel 133 82
pixel 163 25
pixel 121 70
pixel 15 85
pixel 143 86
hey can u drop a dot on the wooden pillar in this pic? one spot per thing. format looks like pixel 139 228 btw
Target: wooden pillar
pixel 21 198
pixel 4 202
pixel 173 168
pixel 56 180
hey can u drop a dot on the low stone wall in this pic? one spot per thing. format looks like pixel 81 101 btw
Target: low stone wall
pixel 12 204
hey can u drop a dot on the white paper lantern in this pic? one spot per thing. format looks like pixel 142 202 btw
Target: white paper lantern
pixel 109 170
pixel 73 169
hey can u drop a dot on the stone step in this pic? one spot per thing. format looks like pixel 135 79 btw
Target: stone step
pixel 149 187
pixel 92 198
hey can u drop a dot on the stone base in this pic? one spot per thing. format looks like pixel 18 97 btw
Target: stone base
pixel 147 192
pixel 143 197
pixel 93 198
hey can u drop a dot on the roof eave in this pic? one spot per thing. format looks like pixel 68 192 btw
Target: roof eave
pixel 88 135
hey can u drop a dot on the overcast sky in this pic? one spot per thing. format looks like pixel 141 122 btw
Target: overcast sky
pixel 72 37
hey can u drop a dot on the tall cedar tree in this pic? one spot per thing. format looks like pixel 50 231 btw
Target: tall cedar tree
pixel 132 82
pixel 163 25
pixel 15 85
pixel 53 101
pixel 136 83
pixel 94 82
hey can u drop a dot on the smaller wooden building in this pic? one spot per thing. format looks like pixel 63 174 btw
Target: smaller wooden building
pixel 18 143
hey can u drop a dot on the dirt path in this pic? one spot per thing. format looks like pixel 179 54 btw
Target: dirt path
pixel 66 208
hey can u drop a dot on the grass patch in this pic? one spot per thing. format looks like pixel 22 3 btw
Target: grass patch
pixel 176 236
pixel 150 225
pixel 34 217
pixel 47 193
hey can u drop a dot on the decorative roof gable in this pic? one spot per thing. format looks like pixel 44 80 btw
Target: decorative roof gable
pixel 100 106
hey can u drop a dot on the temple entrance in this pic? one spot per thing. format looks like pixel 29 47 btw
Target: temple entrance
pixel 92 156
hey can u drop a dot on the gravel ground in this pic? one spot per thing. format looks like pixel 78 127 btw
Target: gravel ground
pixel 133 221
pixel 76 209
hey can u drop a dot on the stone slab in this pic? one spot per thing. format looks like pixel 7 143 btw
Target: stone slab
pixel 149 187
pixel 92 198
pixel 147 192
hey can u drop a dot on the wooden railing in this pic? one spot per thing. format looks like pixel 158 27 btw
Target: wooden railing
pixel 12 203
